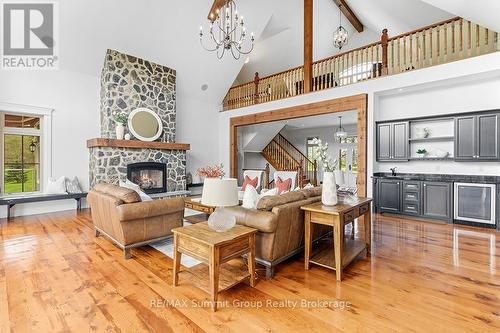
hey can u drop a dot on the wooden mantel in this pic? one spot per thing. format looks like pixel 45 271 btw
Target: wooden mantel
pixel 103 142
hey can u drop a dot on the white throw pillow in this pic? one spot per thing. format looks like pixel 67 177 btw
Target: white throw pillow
pixel 57 186
pixel 73 185
pixel 137 188
pixel 309 185
pixel 274 191
pixel 250 198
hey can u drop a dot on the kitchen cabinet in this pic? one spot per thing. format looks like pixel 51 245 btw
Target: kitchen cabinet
pixel 427 199
pixel 437 200
pixel 392 141
pixel 388 195
pixel 477 137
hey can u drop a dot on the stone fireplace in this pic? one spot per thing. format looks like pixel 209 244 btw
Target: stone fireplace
pixel 128 83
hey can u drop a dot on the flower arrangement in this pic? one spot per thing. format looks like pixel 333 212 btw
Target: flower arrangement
pixel 323 158
pixel 216 171
pixel 120 117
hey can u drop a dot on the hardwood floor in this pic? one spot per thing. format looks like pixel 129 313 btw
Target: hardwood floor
pixel 56 276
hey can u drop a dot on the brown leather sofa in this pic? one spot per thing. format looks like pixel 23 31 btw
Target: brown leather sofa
pixel 280 224
pixel 119 214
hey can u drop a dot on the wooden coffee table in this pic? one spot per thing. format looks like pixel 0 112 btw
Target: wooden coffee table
pixel 194 203
pixel 214 249
pixel 343 251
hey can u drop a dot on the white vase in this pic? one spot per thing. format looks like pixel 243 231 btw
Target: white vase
pixel 120 131
pixel 329 189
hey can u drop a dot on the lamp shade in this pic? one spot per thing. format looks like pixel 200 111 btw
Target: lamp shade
pixel 220 192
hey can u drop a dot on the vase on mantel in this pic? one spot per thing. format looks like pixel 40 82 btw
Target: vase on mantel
pixel 120 131
pixel 329 189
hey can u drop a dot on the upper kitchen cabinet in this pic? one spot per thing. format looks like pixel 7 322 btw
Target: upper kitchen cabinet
pixel 392 141
pixel 477 137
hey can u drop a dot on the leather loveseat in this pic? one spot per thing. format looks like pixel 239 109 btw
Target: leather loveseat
pixel 119 214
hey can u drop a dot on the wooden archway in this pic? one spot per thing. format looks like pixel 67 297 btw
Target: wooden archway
pixel 358 103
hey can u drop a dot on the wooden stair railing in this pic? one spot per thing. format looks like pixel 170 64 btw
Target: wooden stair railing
pixel 284 156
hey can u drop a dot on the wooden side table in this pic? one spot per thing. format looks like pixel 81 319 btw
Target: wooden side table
pixel 344 251
pixel 213 249
pixel 194 203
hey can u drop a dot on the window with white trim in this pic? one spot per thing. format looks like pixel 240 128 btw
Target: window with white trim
pixel 21 165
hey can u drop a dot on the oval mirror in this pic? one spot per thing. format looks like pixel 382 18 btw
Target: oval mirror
pixel 144 124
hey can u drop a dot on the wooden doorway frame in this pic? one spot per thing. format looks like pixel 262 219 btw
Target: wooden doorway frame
pixel 357 103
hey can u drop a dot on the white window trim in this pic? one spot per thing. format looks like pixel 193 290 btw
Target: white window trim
pixel 45 115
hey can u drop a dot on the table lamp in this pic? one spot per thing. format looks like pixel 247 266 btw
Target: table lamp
pixel 220 193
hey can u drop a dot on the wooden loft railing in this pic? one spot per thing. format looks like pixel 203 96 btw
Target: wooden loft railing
pixel 443 42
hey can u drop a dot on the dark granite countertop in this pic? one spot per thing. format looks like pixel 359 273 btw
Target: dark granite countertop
pixel 440 177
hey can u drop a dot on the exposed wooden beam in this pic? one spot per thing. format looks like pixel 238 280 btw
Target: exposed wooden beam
pixel 216 5
pixel 308 44
pixel 344 7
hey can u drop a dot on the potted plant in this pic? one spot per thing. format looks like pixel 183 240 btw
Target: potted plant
pixel 421 152
pixel 329 188
pixel 120 119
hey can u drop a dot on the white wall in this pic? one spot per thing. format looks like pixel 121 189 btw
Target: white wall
pixel 197 125
pixel 74 98
pixel 475 69
pixel 469 96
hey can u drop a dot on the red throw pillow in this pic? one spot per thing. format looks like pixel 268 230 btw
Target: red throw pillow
pixel 283 186
pixel 251 182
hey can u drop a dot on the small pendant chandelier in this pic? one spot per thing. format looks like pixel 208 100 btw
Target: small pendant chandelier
pixel 227 32
pixel 340 35
pixel 340 133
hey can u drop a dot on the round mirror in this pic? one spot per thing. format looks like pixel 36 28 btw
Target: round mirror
pixel 144 124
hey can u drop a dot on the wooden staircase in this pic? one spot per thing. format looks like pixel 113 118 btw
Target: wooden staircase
pixel 284 156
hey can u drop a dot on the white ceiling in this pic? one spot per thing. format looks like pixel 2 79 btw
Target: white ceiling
pixel 166 32
pixel 162 31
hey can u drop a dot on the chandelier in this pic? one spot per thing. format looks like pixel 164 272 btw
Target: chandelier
pixel 227 32
pixel 340 35
pixel 340 133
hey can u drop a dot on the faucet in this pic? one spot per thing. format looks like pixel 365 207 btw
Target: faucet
pixel 393 171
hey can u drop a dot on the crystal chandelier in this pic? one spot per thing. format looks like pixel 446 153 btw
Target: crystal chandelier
pixel 340 35
pixel 227 32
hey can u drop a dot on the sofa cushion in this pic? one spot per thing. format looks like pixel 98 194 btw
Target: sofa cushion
pixel 269 202
pixel 262 221
pixel 312 192
pixel 124 194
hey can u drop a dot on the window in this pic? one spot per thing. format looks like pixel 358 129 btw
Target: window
pixel 348 154
pixel 312 152
pixel 21 165
pixel 343 159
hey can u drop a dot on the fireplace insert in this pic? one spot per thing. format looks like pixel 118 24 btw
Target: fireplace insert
pixel 150 176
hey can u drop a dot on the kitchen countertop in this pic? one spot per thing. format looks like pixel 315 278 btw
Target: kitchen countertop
pixel 439 177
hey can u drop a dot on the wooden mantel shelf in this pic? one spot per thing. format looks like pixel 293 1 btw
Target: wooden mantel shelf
pixel 103 142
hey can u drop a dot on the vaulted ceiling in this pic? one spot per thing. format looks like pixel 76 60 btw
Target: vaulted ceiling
pixel 166 32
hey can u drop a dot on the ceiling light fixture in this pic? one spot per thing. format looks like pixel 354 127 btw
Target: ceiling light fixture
pixel 340 133
pixel 227 32
pixel 340 36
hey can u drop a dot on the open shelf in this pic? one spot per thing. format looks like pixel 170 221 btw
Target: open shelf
pixel 324 255
pixel 431 139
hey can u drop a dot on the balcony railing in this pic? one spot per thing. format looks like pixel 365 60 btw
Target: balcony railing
pixel 443 42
